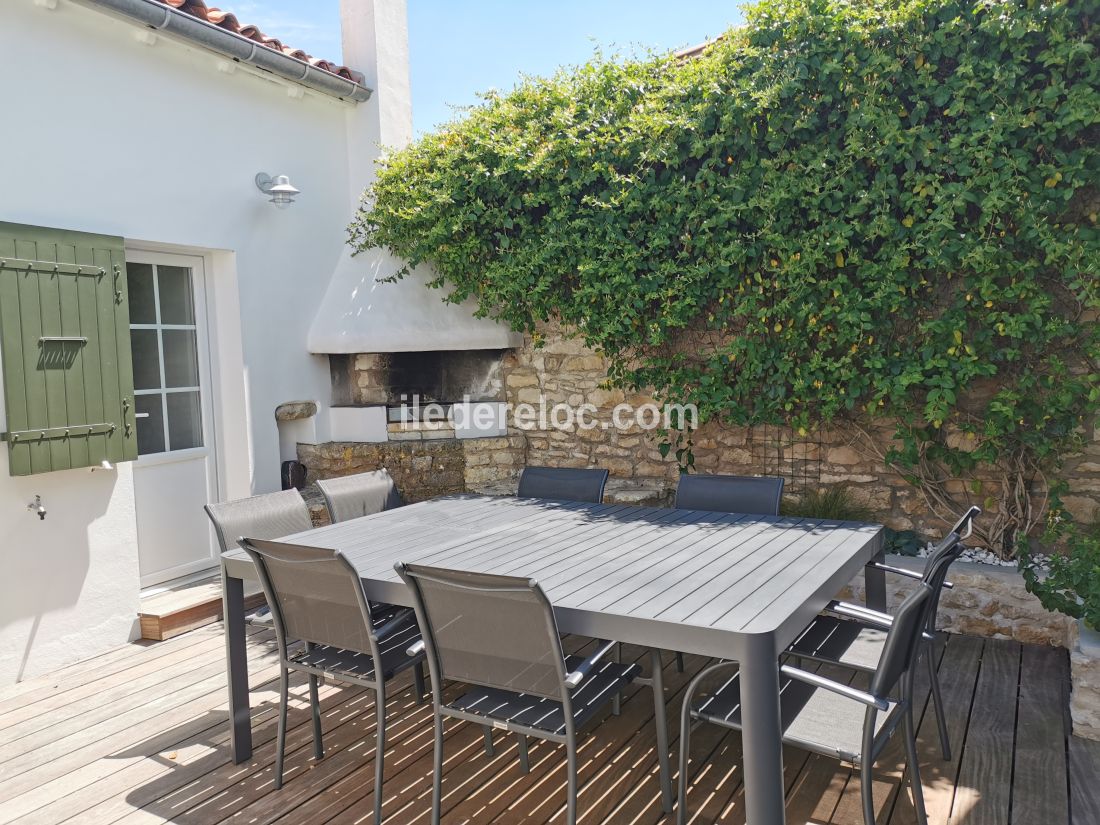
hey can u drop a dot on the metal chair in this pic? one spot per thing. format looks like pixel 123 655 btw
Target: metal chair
pixel 562 483
pixel 363 494
pixel 853 636
pixel 317 597
pixel 267 516
pixel 498 634
pixel 824 716
pixel 730 494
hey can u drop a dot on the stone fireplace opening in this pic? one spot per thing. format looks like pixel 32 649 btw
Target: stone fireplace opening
pixel 406 383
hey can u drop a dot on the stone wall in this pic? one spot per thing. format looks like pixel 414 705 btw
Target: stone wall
pixel 985 601
pixel 563 371
pixel 1085 674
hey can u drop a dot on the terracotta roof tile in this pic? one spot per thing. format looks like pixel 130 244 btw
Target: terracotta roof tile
pixel 695 51
pixel 228 21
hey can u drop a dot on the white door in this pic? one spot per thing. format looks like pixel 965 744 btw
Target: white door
pixel 176 470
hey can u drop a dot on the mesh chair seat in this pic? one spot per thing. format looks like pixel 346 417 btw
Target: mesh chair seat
pixel 841 641
pixel 266 516
pixel 498 634
pixel 813 719
pixel 759 495
pixel 363 494
pixel 360 666
pixel 596 691
pixel 851 642
pixel 355 496
pixel 833 718
pixel 563 483
pixel 316 596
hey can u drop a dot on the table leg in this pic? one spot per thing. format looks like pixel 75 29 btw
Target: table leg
pixel 658 686
pixel 762 733
pixel 874 582
pixel 236 667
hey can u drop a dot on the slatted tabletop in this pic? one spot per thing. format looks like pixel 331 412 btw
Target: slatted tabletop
pixel 727 585
pixel 681 579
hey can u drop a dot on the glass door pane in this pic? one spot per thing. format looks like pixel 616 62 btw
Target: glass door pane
pixel 184 420
pixel 146 354
pixel 181 358
pixel 164 342
pixel 177 302
pixel 150 423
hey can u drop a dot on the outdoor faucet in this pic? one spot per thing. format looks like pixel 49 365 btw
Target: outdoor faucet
pixel 36 506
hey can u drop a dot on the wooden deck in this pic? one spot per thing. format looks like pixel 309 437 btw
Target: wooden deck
pixel 140 735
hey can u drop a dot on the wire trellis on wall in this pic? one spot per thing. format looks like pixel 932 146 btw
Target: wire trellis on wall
pixel 780 451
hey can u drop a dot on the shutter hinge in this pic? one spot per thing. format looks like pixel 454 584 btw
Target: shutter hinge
pixel 51 266
pixel 70 431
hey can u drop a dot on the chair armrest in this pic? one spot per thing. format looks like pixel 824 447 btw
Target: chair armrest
pixel 415 649
pixel 901 571
pixel 573 680
pixel 883 621
pixel 836 687
pixel 868 616
pixel 400 619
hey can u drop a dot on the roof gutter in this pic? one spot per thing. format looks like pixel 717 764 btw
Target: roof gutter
pixel 167 19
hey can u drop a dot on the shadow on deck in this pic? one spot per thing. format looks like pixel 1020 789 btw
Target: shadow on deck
pixel 140 735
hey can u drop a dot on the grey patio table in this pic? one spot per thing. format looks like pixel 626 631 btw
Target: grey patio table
pixel 725 585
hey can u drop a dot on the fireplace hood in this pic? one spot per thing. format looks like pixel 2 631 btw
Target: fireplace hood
pixel 360 312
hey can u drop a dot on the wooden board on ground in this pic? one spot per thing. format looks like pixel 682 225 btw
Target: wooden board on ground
pixel 179 610
pixel 174 765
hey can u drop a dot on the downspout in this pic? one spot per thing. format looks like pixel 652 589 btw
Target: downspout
pixel 167 19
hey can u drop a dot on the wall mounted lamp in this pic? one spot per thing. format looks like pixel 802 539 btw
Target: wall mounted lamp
pixel 278 187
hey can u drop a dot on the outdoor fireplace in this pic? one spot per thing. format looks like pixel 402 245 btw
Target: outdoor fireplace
pixel 408 383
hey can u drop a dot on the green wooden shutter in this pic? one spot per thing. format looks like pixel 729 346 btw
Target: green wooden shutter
pixel 65 349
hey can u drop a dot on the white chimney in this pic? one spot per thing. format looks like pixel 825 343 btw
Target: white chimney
pixel 359 313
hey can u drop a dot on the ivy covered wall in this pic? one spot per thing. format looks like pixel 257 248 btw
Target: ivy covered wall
pixel 874 214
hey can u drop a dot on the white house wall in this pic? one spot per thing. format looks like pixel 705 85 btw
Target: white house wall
pixel 105 133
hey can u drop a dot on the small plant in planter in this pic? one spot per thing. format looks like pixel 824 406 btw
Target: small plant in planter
pixel 903 542
pixel 834 503
pixel 1067 581
pixel 837 503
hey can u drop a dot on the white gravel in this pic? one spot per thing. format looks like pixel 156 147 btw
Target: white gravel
pixel 978 555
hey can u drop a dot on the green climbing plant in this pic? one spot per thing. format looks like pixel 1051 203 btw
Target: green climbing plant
pixel 1069 580
pixel 881 212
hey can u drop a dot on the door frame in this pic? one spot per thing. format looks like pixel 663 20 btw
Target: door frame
pixel 205 343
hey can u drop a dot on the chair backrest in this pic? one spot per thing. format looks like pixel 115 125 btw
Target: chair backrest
pixel 951 545
pixel 483 629
pixel 562 483
pixel 363 494
pixel 315 595
pixel 902 642
pixel 730 494
pixel 267 516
